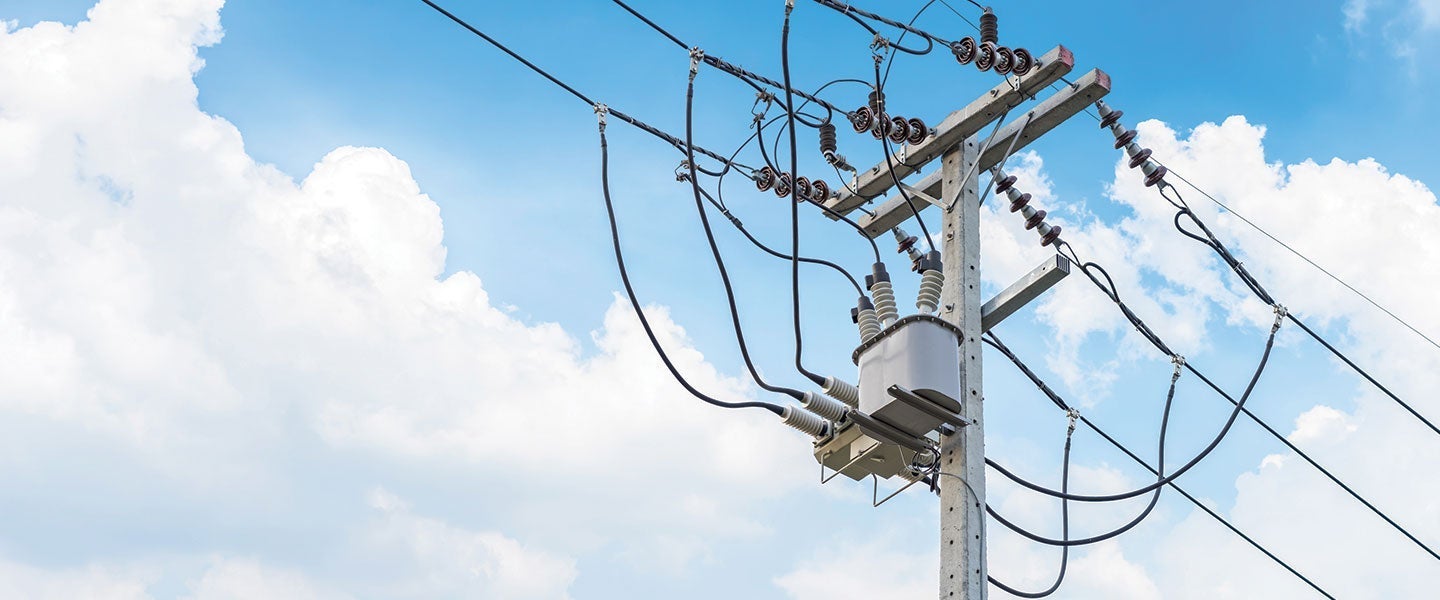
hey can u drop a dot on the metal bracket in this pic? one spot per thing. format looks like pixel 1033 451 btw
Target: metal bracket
pixel 928 406
pixel 1020 293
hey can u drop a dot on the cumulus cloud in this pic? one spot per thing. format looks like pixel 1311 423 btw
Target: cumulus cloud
pixel 248 351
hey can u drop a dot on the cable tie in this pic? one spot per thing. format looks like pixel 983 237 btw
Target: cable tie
pixel 600 112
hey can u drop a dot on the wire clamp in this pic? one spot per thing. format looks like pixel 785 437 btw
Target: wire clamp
pixel 600 112
pixel 696 55
pixel 1179 362
pixel 1280 313
pixel 1074 415
pixel 682 172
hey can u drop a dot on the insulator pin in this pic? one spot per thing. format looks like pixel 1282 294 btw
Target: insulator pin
pixel 806 421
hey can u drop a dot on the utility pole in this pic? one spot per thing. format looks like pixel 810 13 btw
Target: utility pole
pixel 965 151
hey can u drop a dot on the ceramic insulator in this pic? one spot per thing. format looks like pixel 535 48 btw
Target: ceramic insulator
pixel 931 282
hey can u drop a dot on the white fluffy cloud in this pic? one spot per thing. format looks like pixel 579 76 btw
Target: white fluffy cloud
pixel 258 349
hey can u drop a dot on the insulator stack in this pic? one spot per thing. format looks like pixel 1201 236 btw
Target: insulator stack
pixel 905 244
pixel 829 409
pixel 985 56
pixel 989 27
pixel 1004 60
pixel 918 131
pixel 1020 202
pixel 841 391
pixel 864 316
pixel 819 191
pixel 827 138
pixel 1125 138
pixel 883 294
pixel 931 282
pixel 802 188
pixel 877 102
pixel 806 421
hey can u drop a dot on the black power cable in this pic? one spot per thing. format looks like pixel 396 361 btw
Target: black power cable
pixel 1155 340
pixel 1066 542
pixel 890 163
pixel 1210 240
pixel 794 206
pixel 851 11
pixel 635 302
pixel 715 249
pixel 643 126
pixel 1059 402
pixel 1064 527
pixel 715 61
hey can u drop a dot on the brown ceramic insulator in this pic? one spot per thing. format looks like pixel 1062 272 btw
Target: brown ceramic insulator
pixel 918 131
pixel 1140 158
pixel 1019 202
pixel 964 50
pixel 1035 220
pixel 765 178
pixel 899 130
pixel 1004 60
pixel 877 102
pixel 782 185
pixel 862 120
pixel 1110 119
pixel 1024 61
pixel 1051 237
pixel 1005 184
pixel 1157 176
pixel 907 243
pixel 802 188
pixel 989 26
pixel 881 127
pixel 819 190
pixel 1125 138
pixel 985 56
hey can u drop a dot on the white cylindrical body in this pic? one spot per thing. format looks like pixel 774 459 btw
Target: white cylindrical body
pixel 842 391
pixel 920 354
pixel 828 408
pixel 884 295
pixel 806 421
pixel 928 299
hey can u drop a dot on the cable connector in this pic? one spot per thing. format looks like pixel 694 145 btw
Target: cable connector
pixel 1074 416
pixel 1179 362
pixel 1280 313
pixel 682 172
pixel 600 113
pixel 696 55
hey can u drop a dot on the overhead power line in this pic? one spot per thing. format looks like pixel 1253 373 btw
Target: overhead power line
pixel 1060 403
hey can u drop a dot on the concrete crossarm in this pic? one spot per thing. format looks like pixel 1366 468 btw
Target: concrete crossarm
pixel 1027 127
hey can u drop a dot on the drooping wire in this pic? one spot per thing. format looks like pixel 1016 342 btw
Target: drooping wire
pixel 1161 480
pixel 994 341
pixel 715 249
pixel 635 302
pixel 1312 263
pixel 1064 525
pixel 851 11
pixel 1251 282
pixel 643 126
pixel 794 206
pixel 890 62
pixel 1110 291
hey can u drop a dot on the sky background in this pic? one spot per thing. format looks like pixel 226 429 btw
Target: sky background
pixel 316 300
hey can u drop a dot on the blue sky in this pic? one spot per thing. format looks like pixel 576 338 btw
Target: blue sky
pixel 361 402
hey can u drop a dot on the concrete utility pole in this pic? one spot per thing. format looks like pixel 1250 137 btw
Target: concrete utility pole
pixel 965 150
